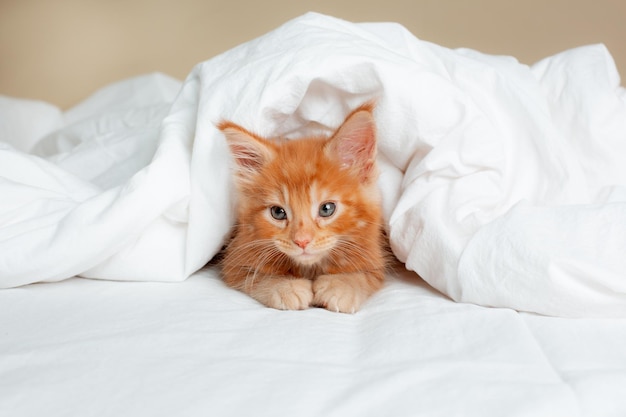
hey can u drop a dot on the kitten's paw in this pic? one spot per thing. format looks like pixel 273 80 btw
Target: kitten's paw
pixel 288 294
pixel 338 293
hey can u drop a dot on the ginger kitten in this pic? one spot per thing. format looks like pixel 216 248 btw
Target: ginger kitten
pixel 309 229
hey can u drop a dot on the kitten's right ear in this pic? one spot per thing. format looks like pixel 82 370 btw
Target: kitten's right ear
pixel 250 151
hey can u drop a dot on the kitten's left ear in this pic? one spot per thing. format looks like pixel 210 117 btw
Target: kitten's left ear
pixel 354 143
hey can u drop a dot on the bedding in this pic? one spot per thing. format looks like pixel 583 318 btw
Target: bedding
pixel 505 202
pixel 99 348
pixel 503 184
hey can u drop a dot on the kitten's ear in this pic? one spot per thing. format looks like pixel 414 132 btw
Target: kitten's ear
pixel 249 151
pixel 354 143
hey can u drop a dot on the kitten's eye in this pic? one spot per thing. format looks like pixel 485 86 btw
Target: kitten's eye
pixel 278 213
pixel 327 209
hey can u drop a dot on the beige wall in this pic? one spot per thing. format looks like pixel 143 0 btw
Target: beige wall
pixel 62 50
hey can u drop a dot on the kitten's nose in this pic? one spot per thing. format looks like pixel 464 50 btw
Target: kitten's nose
pixel 302 242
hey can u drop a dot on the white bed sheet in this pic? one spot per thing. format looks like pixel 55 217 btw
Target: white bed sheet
pixel 98 348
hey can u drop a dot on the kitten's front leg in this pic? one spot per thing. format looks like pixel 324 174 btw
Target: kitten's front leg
pixel 283 293
pixel 344 293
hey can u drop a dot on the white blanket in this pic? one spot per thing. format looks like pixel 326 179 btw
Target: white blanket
pixel 504 185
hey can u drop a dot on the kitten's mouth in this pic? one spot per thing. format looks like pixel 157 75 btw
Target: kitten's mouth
pixel 307 258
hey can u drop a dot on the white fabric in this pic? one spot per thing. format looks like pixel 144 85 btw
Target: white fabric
pixel 101 348
pixel 504 184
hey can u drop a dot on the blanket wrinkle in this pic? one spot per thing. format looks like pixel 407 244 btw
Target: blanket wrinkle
pixel 493 172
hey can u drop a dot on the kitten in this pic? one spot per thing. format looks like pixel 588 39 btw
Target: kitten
pixel 309 229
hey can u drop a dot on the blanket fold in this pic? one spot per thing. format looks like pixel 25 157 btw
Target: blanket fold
pixel 504 185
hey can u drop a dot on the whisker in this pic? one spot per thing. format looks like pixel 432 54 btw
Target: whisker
pixel 251 258
pixel 353 254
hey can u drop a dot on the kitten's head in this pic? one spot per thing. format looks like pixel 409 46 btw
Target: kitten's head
pixel 313 200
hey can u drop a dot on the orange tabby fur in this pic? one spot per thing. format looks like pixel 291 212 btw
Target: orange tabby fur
pixel 307 258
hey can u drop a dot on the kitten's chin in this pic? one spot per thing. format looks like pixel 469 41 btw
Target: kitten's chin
pixel 307 259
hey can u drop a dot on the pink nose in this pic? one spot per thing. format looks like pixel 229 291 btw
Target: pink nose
pixel 302 242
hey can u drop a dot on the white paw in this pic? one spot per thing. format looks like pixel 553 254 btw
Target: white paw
pixel 288 294
pixel 335 294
